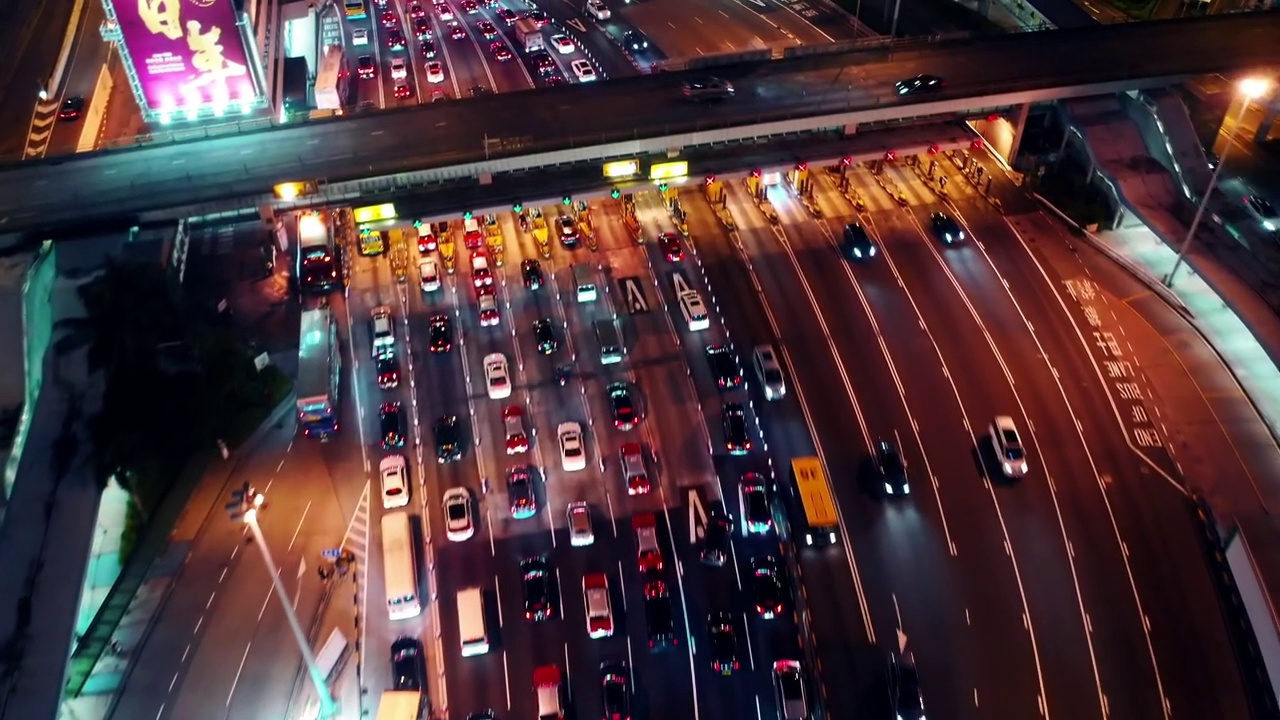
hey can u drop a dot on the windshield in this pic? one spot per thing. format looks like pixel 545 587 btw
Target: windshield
pixel 457 511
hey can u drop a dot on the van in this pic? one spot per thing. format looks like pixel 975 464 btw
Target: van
pixel 429 275
pixel 584 282
pixel 383 332
pixel 598 10
pixel 611 349
pixel 694 311
pixel 472 629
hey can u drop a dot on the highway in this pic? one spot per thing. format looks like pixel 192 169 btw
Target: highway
pixel 32 35
pixel 164 176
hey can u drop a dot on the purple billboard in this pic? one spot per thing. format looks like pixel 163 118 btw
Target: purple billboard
pixel 186 53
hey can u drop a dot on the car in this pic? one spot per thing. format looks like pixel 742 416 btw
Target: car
pixel 427 242
pixel 388 369
pixel 539 585
pixel 531 272
pixel 448 435
pixel 366 67
pixel 547 688
pixel 578 515
pixel 427 48
pixel 1264 211
pixel 360 36
pixel 595 596
pixel 648 554
pixel 904 689
pixel 753 501
pixel 945 228
pixel 382 330
pixel 551 78
pixel 716 539
pixel 501 52
pixel 457 32
pixel 446 14
pixel 524 503
pixel 440 333
pixel 919 84
pixel 395 481
pixel 788 690
pixel 633 471
pixel 624 410
pixel 598 9
pixel 893 471
pixel 563 44
pixel 544 335
pixel 543 62
pixel 724 643
pixel 724 366
pixel 422 28
pixel 659 620
pixel 458 523
pixel 435 72
pixel 478 90
pixel 569 236
pixel 389 19
pixel 573 454
pixel 858 244
pixel 538 17
pixel 615 690
pixel 429 275
pixel 710 88
pixel 487 29
pixel 769 371
pixel 481 275
pixel 497 378
pixel 1008 445
pixel 733 420
pixel 488 305
pixel 583 70
pixel 634 41
pixel 766 587
pixel 671 247
pixel 469 7
pixel 416 10
pixel 408 665
pixel 390 422
pixel 402 90
pixel 439 95
pixel 395 41
pixel 399 69
pixel 513 423
pixel 508 16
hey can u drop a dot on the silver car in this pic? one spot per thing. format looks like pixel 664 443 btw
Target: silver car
pixel 769 370
pixel 711 88
pixel 788 690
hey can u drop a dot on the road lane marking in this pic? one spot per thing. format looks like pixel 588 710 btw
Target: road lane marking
pixel 239 670
pixel 506 676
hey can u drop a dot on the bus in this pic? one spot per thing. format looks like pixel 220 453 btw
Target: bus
pixel 821 523
pixel 399 568
pixel 355 9
pixel 319 373
pixel 317 268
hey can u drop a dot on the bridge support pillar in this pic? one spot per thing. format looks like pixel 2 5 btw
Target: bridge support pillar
pixel 1019 129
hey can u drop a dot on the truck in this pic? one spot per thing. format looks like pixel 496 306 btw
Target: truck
pixel 529 34
pixel 400 705
pixel 319 371
pixel 821 520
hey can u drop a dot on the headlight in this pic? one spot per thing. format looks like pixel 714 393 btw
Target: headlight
pixel 1008 469
pixel 872 251
pixel 857 252
pixel 1270 226
pixel 961 235
pixel 1024 467
pixel 888 488
pixel 906 489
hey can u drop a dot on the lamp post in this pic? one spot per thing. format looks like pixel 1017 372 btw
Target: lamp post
pixel 1250 89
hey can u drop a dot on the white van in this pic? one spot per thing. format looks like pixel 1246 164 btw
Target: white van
pixel 472 628
pixel 694 311
pixel 584 283
pixel 611 349
pixel 598 10
pixel 429 275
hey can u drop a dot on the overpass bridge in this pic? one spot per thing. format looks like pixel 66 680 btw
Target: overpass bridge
pixel 471 142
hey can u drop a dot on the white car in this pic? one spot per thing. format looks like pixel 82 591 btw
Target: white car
pixel 360 36
pixel 1008 445
pixel 496 377
pixel 563 44
pixel 399 69
pixel 395 481
pixel 579 520
pixel 429 275
pixel 573 456
pixel 457 514
pixel 595 596
pixel 435 72
pixel 769 370
pixel 598 9
pixel 583 70
pixel 383 332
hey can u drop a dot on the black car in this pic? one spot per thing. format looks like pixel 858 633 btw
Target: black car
pixel 408 665
pixel 766 587
pixel 72 108
pixel 919 84
pixel 715 543
pixel 366 67
pixel 428 49
pixel 904 689
pixel 724 366
pixel 711 88
pixel 658 616
pixel 531 271
pixel 441 334
pixel 858 245
pixel 892 470
pixel 724 643
pixel 624 410
pixel 538 586
pixel 448 438
pixel 422 28
pixel 733 418
pixel 388 371
pixel 392 427
pixel 945 228
pixel 615 690
pixel 479 91
pixel 634 41
pixel 483 715
pixel 541 60
pixel 545 335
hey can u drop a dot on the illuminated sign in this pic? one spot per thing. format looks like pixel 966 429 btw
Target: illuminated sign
pixel 374 213
pixel 669 171
pixel 621 168
pixel 772 178
pixel 186 53
pixel 294 190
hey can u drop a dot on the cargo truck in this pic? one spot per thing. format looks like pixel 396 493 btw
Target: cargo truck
pixel 529 34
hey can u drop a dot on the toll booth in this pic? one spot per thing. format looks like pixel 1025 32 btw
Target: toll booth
pixel 493 238
pixel 629 218
pixel 538 228
pixel 582 217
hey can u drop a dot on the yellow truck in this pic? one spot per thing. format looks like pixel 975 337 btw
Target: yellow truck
pixel 582 216
pixel 493 238
pixel 538 226
pixel 372 242
pixel 399 253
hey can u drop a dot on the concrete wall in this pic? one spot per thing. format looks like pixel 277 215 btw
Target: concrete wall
pixel 21 363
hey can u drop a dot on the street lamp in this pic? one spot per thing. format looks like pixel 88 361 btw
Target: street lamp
pixel 1250 89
